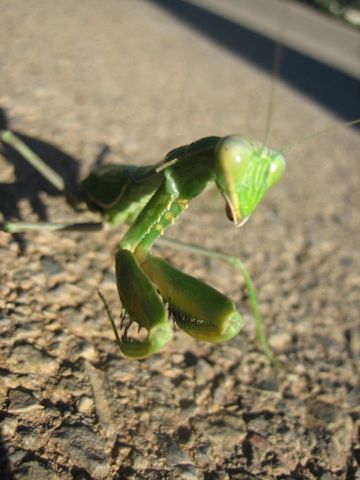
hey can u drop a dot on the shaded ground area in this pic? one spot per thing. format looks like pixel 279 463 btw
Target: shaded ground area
pixel 125 81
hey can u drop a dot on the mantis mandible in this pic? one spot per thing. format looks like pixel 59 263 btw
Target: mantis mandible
pixel 150 199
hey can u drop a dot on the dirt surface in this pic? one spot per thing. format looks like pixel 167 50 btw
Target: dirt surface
pixel 123 81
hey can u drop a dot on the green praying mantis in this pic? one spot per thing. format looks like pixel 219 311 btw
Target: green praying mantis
pixel 150 199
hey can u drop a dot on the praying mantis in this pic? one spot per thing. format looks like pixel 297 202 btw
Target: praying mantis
pixel 150 199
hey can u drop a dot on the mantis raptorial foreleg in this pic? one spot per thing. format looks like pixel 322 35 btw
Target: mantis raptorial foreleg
pixel 141 301
pixel 152 198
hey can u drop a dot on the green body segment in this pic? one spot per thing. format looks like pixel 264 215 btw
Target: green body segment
pixel 143 304
pixel 181 182
pixel 199 309
pixel 120 191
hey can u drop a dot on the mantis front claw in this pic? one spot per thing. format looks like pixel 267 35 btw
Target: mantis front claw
pixel 142 305
pixel 198 309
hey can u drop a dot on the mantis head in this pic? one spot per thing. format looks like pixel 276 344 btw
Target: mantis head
pixel 244 172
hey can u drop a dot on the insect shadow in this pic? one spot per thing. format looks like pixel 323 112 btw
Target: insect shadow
pixel 29 184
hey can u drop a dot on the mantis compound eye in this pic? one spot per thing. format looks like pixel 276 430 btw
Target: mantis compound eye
pixel 276 170
pixel 233 154
pixel 233 160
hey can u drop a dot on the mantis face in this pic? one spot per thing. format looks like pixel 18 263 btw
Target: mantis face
pixel 244 172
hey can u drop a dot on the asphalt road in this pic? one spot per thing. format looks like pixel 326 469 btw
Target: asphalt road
pixel 297 26
pixel 320 56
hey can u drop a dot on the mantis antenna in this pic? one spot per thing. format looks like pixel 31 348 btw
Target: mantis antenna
pixel 277 61
pixel 310 136
pixel 276 65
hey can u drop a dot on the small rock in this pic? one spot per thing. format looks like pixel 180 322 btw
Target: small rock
pixel 15 456
pixel 89 353
pixel 21 401
pixel 69 295
pixel 186 472
pixel 177 358
pixel 224 431
pixel 281 343
pixel 204 372
pixel 26 358
pixel 86 404
pixel 85 448
pixel 183 434
pixel 175 455
pixel 320 413
pixel 139 462
pixel 8 426
pixel 50 266
pixel 34 469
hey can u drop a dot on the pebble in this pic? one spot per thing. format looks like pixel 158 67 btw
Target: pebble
pixel 26 358
pixel 204 372
pixel 8 426
pixel 68 294
pixel 85 404
pixel 281 343
pixel 139 462
pixel 186 472
pixel 33 469
pixel 84 447
pixel 50 266
pixel 21 400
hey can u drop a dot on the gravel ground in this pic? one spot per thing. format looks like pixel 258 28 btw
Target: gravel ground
pixel 124 82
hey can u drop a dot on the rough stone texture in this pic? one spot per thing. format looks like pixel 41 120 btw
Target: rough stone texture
pixel 123 80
